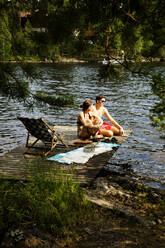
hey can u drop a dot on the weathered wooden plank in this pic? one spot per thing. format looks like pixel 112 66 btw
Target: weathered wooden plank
pixel 14 164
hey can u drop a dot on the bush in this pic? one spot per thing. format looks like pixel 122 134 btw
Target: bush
pixel 158 111
pixel 53 205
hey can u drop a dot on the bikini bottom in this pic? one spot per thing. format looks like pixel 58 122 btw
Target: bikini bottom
pixel 105 126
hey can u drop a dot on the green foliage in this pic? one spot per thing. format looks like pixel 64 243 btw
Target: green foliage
pixel 53 52
pixel 5 37
pixel 162 204
pixel 158 84
pixel 29 71
pixel 62 100
pixel 23 44
pixel 158 87
pixel 52 202
pixel 14 80
pixel 75 47
pixel 148 45
pixel 162 51
pixel 9 87
pixel 133 43
pixel 62 23
pixel 110 72
pixel 122 26
pixel 118 42
pixel 65 27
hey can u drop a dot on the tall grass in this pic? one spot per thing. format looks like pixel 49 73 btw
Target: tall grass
pixel 53 205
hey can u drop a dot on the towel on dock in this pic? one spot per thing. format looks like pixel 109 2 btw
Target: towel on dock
pixel 83 154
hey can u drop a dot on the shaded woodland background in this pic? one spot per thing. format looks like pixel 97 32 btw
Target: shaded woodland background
pixel 40 30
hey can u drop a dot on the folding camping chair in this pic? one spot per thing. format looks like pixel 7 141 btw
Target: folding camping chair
pixel 41 130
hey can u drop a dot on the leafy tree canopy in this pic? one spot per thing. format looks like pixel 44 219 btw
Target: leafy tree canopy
pixel 137 28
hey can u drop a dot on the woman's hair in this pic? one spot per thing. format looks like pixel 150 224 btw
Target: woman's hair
pixel 86 104
pixel 99 97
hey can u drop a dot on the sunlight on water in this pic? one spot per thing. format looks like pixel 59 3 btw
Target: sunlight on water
pixel 129 102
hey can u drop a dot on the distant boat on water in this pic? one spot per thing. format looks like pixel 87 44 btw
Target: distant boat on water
pixel 106 62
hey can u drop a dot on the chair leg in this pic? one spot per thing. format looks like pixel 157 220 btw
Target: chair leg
pixel 27 139
pixel 60 138
pixel 54 144
pixel 30 146
pixel 52 147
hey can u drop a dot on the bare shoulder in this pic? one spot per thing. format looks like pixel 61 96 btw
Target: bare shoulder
pixel 94 108
pixel 80 115
pixel 104 110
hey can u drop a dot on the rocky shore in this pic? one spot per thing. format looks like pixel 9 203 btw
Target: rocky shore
pixel 133 215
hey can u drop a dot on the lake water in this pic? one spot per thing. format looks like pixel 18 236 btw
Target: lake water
pixel 129 101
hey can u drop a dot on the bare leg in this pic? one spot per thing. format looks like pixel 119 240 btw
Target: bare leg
pixel 84 133
pixel 98 136
pixel 107 133
pixel 87 132
pixel 115 130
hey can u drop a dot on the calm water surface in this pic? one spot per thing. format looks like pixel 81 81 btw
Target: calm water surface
pixel 129 102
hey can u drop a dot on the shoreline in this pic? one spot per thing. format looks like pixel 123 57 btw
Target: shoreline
pixel 75 60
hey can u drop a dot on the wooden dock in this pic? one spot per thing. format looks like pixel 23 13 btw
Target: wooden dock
pixel 16 165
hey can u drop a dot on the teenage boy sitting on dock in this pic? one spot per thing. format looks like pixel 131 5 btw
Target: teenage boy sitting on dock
pixel 106 129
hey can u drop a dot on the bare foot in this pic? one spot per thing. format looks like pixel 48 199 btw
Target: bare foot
pixel 98 136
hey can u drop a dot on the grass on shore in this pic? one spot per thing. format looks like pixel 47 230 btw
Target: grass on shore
pixel 54 206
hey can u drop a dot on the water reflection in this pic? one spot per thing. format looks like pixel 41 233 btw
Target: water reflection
pixel 129 102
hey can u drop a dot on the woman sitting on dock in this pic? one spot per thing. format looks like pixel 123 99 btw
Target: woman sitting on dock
pixel 88 124
pixel 106 129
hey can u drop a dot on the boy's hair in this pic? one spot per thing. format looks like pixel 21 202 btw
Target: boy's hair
pixel 99 97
